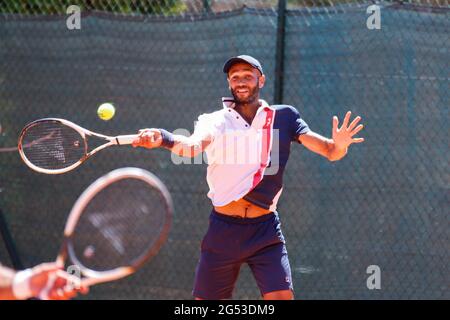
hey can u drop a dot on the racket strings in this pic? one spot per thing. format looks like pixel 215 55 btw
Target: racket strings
pixel 52 145
pixel 119 225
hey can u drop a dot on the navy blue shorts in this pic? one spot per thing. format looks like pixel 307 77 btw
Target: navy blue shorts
pixel 232 241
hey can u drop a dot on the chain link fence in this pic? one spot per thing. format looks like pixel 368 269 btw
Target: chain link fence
pixel 160 63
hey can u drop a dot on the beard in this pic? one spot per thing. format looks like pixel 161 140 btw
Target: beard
pixel 252 96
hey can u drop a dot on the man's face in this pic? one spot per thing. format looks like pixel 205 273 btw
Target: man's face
pixel 244 82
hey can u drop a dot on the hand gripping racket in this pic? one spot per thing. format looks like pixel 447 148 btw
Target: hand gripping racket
pixel 117 224
pixel 55 146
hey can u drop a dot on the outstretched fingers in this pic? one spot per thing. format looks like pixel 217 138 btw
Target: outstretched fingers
pixel 356 130
pixel 335 123
pixel 354 123
pixel 346 120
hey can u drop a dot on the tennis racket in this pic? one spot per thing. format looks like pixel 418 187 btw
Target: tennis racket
pixel 117 224
pixel 55 146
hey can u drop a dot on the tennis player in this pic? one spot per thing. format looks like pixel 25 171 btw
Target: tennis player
pixel 30 283
pixel 244 224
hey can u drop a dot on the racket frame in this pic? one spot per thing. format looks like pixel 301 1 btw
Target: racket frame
pixel 94 277
pixel 117 140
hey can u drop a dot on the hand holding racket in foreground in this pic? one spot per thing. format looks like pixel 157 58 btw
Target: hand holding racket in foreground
pixel 116 225
pixel 30 283
pixel 56 146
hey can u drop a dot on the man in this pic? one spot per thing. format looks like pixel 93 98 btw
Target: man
pixel 45 281
pixel 244 225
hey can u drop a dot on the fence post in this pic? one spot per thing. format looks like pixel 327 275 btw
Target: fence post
pixel 9 243
pixel 206 6
pixel 279 57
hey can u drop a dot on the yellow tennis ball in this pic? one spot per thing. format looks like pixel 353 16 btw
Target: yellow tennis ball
pixel 106 111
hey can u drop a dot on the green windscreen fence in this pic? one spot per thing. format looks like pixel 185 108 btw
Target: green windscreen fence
pixel 385 204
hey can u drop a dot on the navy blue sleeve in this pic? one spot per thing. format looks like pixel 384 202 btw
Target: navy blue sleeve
pixel 300 126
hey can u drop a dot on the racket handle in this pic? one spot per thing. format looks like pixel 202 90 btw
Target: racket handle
pixel 127 139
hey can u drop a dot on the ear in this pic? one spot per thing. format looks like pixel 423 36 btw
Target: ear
pixel 262 81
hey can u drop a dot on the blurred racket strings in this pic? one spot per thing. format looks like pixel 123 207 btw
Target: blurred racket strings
pixel 119 225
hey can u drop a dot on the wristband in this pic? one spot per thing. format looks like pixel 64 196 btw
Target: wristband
pixel 167 139
pixel 21 284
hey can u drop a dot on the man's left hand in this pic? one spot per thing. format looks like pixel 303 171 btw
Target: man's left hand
pixel 343 136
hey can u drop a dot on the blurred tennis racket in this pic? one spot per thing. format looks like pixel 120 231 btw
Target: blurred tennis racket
pixel 117 224
pixel 55 146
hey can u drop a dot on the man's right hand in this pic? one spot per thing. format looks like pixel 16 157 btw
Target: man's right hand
pixel 148 138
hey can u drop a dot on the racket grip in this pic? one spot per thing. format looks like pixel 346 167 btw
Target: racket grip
pixel 127 139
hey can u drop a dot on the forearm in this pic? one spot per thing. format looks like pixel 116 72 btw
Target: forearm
pixel 6 281
pixel 186 146
pixel 183 146
pixel 328 148
pixel 322 145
